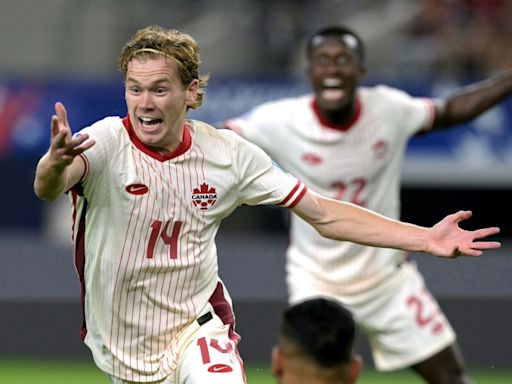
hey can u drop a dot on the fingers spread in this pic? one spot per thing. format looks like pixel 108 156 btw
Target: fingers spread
pixel 59 140
pixel 462 215
pixel 484 232
pixel 476 248
pixel 61 112
pixel 55 126
pixel 487 245
pixel 471 252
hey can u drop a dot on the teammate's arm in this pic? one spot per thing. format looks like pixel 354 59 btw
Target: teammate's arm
pixel 345 221
pixel 470 101
pixel 61 167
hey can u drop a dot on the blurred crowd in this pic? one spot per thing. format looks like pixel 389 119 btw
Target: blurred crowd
pixel 455 38
pixel 458 40
pixel 461 39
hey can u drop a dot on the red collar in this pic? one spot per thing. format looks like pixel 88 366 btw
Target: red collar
pixel 185 144
pixel 339 127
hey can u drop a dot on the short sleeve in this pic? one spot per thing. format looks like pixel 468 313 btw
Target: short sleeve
pixel 263 182
pixel 415 114
pixel 103 132
pixel 264 125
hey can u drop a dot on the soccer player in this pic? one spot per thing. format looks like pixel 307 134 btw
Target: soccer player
pixel 316 345
pixel 149 192
pixel 348 142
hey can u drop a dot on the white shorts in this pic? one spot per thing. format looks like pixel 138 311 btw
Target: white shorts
pixel 211 356
pixel 402 320
pixel 207 350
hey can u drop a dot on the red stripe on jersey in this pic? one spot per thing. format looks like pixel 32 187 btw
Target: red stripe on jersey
pixel 78 187
pixel 299 198
pixel 86 163
pixel 184 146
pixel 80 264
pixel 290 195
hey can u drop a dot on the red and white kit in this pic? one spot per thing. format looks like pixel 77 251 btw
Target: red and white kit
pixel 360 162
pixel 152 297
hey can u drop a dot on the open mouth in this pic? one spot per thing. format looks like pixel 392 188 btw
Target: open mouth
pixel 149 122
pixel 332 89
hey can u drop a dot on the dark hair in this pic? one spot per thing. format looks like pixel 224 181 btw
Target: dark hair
pixel 337 32
pixel 322 329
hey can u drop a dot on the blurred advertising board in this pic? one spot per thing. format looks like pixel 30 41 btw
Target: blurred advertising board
pixel 475 154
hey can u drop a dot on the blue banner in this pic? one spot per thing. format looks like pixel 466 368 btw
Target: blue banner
pixel 479 152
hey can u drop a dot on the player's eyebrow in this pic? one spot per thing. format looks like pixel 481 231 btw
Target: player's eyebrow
pixel 160 81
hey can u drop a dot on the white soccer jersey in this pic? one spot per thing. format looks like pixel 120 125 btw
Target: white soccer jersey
pixel 360 162
pixel 144 229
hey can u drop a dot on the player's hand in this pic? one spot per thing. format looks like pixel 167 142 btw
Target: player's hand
pixel 63 147
pixel 447 239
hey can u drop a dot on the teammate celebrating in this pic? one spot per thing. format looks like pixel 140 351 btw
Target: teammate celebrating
pixel 149 192
pixel 348 142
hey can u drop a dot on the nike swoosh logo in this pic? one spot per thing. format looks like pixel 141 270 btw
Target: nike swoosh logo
pixel 220 368
pixel 137 189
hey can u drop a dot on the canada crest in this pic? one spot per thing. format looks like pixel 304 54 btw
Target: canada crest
pixel 380 148
pixel 204 196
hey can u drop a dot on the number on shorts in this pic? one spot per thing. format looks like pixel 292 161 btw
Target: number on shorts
pixel 214 343
pixel 422 315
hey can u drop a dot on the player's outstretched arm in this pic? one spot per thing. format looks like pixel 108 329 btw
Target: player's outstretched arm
pixel 345 221
pixel 59 169
pixel 470 101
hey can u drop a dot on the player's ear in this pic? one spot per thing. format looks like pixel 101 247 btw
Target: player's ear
pixel 355 368
pixel 192 90
pixel 277 365
pixel 362 71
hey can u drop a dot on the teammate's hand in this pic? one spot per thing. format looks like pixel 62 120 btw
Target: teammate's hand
pixel 63 147
pixel 447 239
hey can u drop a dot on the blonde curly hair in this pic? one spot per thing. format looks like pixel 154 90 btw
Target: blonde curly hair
pixel 181 47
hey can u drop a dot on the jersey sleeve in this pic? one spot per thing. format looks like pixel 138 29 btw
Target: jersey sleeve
pixel 261 181
pixel 415 114
pixel 98 156
pixel 261 125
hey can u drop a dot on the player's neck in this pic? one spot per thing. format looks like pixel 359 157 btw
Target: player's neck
pixel 340 116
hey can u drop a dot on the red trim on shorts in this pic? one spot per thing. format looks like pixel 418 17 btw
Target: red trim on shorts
pixel 223 309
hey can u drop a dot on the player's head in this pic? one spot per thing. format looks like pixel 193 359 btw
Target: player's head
pixel 341 33
pixel 155 41
pixel 316 345
pixel 162 81
pixel 336 63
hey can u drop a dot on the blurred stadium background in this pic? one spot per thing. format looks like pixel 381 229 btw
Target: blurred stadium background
pixel 66 50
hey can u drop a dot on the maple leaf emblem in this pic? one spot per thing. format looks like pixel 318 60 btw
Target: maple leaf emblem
pixel 204 196
pixel 380 148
